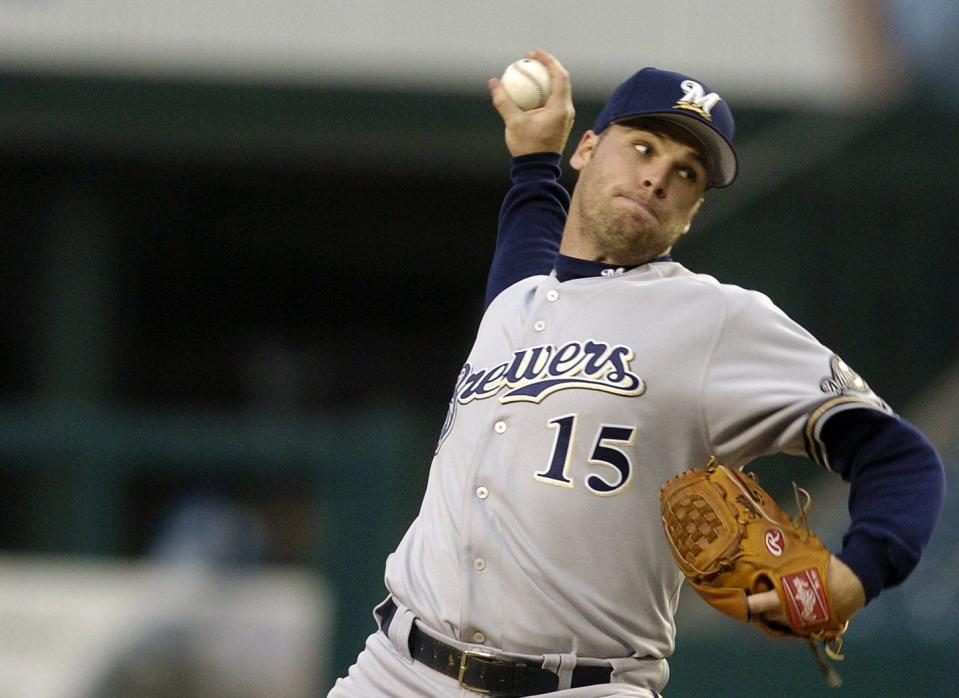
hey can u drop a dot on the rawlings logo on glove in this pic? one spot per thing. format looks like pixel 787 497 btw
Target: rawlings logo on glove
pixel 731 539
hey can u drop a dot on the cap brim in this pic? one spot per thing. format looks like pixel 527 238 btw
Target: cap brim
pixel 724 164
pixel 721 153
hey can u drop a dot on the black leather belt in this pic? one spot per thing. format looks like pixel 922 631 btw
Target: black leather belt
pixel 485 673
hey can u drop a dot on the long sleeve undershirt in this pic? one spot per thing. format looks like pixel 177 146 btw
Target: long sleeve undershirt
pixel 897 485
pixel 531 223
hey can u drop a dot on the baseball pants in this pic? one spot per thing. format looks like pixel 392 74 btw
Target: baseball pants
pixel 381 671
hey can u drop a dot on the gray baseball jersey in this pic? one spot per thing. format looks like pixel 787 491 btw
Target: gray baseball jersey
pixel 539 531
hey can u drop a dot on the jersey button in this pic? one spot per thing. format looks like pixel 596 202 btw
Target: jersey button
pixel 539 325
pixel 500 427
pixel 479 637
pixel 479 564
pixel 552 295
pixel 482 492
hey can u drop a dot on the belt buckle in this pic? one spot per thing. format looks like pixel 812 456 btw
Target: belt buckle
pixel 464 659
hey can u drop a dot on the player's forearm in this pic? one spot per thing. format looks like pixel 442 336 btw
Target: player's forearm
pixel 897 485
pixel 530 222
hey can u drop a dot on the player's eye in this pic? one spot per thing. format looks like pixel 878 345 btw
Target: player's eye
pixel 642 148
pixel 689 174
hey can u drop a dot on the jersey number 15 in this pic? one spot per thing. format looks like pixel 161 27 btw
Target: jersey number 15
pixel 603 453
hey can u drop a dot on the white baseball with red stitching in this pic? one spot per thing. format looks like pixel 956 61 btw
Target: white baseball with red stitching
pixel 526 82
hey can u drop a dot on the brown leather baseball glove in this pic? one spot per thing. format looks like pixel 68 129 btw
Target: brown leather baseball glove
pixel 731 539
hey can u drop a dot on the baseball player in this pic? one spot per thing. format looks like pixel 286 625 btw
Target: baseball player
pixel 601 369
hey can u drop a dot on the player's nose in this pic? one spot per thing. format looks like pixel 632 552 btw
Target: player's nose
pixel 654 178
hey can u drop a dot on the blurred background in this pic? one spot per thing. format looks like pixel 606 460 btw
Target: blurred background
pixel 244 252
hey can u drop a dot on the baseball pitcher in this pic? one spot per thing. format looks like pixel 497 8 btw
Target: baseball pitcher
pixel 603 374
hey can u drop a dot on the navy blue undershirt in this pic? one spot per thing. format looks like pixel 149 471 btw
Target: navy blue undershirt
pixel 531 222
pixel 569 268
pixel 897 480
pixel 897 485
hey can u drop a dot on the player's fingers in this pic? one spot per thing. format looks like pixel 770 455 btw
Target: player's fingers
pixel 560 99
pixel 763 602
pixel 551 62
pixel 776 617
pixel 501 101
pixel 558 75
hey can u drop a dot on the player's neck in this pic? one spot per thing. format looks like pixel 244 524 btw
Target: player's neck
pixel 575 244
pixel 579 247
pixel 572 246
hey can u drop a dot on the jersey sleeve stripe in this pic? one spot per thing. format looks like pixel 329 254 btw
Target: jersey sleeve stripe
pixel 815 448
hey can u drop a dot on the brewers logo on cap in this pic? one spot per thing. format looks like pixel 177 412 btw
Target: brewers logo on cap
pixel 697 100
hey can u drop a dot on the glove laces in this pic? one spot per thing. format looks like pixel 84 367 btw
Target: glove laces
pixel 831 647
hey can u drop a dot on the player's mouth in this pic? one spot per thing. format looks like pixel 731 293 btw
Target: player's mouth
pixel 638 204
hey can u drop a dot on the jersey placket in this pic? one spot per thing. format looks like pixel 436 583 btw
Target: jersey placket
pixel 489 490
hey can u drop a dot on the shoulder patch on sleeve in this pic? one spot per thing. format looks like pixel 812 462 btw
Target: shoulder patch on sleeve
pixel 851 392
pixel 843 379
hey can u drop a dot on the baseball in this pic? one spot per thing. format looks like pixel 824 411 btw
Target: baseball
pixel 526 81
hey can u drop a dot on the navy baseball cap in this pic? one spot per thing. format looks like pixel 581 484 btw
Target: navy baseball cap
pixel 686 102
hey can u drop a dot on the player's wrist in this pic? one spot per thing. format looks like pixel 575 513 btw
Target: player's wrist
pixel 845 589
pixel 546 157
pixel 532 146
pixel 536 167
pixel 866 557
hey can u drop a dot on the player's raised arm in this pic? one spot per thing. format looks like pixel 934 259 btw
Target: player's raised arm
pixel 534 210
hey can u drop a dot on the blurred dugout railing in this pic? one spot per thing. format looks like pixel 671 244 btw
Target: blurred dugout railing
pixel 82 460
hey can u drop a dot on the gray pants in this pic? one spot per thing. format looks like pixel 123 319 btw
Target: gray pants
pixel 380 672
pixel 385 670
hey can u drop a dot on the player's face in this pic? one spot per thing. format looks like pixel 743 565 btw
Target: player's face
pixel 637 193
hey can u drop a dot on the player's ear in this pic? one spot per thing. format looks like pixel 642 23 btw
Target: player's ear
pixel 584 151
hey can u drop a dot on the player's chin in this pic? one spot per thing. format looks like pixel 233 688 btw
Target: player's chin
pixel 645 232
pixel 632 221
